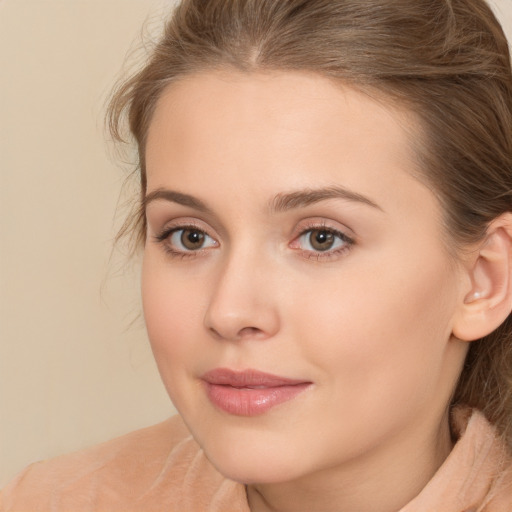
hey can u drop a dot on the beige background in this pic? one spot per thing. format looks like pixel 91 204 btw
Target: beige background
pixel 75 367
pixel 73 370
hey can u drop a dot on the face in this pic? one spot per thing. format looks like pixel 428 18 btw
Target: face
pixel 297 293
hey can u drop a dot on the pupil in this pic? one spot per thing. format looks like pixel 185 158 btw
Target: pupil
pixel 192 239
pixel 321 240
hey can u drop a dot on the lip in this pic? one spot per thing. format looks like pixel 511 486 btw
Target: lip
pixel 249 392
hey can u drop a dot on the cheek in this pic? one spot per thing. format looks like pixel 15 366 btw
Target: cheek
pixel 381 330
pixel 171 311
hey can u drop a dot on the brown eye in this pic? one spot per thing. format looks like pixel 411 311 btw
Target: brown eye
pixel 192 239
pixel 321 239
pixel 186 240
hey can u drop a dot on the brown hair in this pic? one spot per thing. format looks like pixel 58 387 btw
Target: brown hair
pixel 445 60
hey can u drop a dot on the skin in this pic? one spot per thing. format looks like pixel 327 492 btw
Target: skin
pixel 368 323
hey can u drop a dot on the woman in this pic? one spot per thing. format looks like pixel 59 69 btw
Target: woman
pixel 326 218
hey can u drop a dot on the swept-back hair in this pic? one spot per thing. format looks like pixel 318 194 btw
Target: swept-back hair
pixel 446 61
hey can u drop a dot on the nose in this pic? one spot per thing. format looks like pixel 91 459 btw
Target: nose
pixel 242 305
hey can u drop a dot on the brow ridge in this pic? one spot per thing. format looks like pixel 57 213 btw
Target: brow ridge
pixel 307 197
pixel 280 203
pixel 175 197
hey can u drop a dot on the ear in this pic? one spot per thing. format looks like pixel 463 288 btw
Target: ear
pixel 489 301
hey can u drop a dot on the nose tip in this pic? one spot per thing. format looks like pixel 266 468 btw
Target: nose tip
pixel 239 322
pixel 241 308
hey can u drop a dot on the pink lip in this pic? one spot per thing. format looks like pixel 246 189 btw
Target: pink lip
pixel 250 392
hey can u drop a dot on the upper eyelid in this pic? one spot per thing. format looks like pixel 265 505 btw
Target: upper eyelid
pixel 340 234
pixel 338 231
pixel 323 223
pixel 160 207
pixel 181 223
pixel 210 219
pixel 159 222
pixel 300 227
pixel 166 231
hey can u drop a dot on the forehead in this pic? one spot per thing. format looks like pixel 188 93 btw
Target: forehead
pixel 278 131
pixel 297 105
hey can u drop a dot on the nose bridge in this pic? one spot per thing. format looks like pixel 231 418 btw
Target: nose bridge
pixel 240 304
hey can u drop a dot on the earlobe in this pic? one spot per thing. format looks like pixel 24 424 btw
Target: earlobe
pixel 489 302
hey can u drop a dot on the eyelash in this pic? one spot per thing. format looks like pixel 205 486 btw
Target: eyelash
pixel 348 242
pixel 164 236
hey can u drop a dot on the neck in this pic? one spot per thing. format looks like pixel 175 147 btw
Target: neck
pixel 385 480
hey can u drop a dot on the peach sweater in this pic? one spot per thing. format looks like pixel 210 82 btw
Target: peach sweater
pixel 161 468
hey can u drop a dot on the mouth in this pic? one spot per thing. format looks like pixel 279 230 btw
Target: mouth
pixel 249 392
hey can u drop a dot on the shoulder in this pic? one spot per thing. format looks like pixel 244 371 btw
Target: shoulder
pixel 139 471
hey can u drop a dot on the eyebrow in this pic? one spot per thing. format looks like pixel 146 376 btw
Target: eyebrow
pixel 175 197
pixel 303 198
pixel 280 203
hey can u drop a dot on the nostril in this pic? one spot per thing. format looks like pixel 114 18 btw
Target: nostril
pixel 215 333
pixel 244 333
pixel 249 332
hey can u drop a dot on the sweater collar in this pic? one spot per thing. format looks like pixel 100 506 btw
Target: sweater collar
pixel 476 475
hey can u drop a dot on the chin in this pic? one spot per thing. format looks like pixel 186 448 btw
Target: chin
pixel 251 472
pixel 260 449
pixel 252 463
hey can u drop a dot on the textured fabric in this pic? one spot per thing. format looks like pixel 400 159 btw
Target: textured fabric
pixel 161 468
pixel 476 476
pixel 156 469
